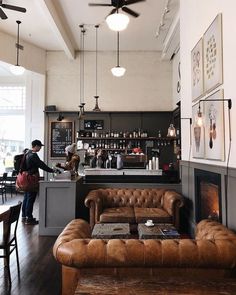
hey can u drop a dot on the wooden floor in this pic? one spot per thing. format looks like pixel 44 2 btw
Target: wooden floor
pixel 39 272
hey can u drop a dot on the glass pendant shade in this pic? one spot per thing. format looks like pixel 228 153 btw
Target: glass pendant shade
pixel 171 131
pixel 117 21
pixel 199 121
pixel 17 70
pixel 118 71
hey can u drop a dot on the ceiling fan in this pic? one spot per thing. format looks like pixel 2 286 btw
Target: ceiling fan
pixel 8 6
pixel 120 4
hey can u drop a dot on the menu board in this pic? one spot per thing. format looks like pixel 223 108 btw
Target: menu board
pixel 61 135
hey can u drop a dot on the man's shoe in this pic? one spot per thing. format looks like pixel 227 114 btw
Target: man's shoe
pixel 23 219
pixel 31 221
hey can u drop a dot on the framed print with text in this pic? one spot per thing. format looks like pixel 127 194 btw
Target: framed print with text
pixel 197 70
pixel 214 127
pixel 212 55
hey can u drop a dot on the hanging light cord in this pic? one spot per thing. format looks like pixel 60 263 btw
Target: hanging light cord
pixel 118 46
pixel 82 65
pixel 96 76
pixel 18 42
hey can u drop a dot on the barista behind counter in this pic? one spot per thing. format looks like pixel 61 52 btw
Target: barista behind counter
pixel 72 159
pixel 99 159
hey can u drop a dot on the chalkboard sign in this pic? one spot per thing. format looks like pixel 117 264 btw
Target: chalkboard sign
pixel 61 135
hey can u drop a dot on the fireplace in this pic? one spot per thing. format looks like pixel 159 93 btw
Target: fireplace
pixel 207 195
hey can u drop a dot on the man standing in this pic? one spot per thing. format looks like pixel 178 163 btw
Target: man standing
pixel 33 163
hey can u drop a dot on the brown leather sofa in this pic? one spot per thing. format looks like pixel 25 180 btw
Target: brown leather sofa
pixel 211 253
pixel 134 205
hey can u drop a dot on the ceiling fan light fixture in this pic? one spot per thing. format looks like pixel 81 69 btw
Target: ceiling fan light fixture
pixel 118 71
pixel 117 21
pixel 17 70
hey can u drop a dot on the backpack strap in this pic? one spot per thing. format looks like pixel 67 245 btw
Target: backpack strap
pixel 22 163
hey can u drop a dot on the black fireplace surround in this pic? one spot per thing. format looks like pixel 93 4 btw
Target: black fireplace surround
pixel 207 192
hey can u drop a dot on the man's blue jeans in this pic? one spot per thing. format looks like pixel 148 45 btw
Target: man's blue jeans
pixel 28 204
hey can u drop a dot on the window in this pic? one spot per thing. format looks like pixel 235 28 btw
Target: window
pixel 12 124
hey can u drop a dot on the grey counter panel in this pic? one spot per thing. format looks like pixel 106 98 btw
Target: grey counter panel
pixel 58 202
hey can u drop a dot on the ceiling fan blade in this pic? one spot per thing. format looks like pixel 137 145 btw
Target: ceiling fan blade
pixel 112 11
pixel 130 11
pixel 99 4
pixel 2 14
pixel 128 2
pixel 12 7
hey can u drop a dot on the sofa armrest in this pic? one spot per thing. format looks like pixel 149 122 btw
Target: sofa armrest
pixel 210 229
pixel 76 229
pixel 94 202
pixel 171 202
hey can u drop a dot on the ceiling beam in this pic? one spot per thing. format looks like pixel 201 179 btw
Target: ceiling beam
pixel 57 26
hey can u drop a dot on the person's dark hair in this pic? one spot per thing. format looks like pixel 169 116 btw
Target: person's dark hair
pixel 36 142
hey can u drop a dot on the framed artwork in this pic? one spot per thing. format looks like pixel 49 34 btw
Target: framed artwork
pixel 212 53
pixel 198 140
pixel 197 70
pixel 214 127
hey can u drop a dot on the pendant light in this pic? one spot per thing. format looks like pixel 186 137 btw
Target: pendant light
pixel 17 69
pixel 82 104
pixel 117 21
pixel 118 71
pixel 96 108
pixel 171 131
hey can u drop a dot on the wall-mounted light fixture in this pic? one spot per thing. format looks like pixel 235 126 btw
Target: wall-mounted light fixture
pixel 60 117
pixel 117 21
pixel 17 69
pixel 118 71
pixel 200 121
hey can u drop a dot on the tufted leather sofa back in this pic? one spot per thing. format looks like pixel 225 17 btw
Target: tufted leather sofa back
pixel 146 198
pixel 75 248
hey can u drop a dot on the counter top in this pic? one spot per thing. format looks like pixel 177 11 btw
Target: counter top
pixel 99 171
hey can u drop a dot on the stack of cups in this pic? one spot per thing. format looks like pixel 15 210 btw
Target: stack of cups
pixel 153 164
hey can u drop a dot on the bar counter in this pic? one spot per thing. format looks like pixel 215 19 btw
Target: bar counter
pixel 58 204
pixel 97 175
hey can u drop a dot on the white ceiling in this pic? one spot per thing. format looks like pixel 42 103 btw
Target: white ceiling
pixel 54 24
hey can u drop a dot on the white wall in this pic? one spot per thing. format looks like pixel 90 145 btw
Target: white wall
pixel 175 79
pixel 32 58
pixel 146 86
pixel 196 16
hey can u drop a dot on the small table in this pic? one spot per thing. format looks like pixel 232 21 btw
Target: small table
pixel 111 231
pixel 158 231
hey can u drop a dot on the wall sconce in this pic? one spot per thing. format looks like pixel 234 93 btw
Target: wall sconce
pixel 17 69
pixel 229 101
pixel 171 131
pixel 60 117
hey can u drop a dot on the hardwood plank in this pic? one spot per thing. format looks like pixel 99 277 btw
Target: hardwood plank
pixel 40 274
